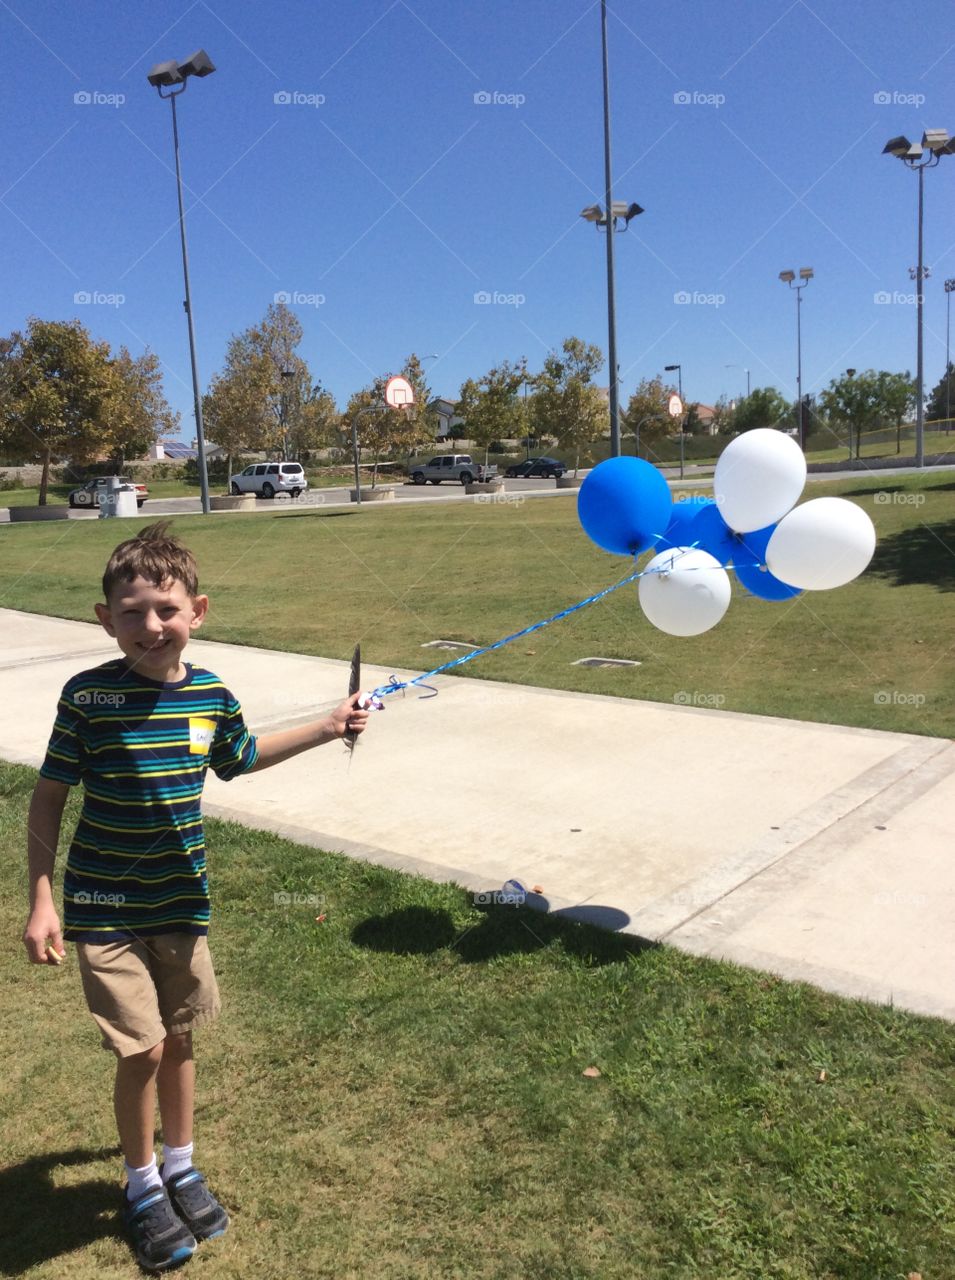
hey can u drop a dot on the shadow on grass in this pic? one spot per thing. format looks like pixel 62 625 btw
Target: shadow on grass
pixel 503 930
pixel 894 488
pixel 45 1221
pixel 921 555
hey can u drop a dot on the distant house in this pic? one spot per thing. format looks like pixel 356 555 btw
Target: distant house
pixel 175 450
pixel 707 415
pixel 447 418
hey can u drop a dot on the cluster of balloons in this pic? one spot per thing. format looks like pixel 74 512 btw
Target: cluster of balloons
pixel 776 549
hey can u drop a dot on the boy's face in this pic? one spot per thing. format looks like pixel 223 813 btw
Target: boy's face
pixel 152 624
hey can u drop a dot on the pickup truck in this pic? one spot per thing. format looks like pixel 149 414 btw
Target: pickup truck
pixel 452 466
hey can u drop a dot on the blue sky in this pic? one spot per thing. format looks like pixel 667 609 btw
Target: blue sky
pixel 382 196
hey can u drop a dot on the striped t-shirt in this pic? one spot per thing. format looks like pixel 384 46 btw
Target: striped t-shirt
pixel 136 865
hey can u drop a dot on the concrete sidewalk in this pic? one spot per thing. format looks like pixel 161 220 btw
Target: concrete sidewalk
pixel 814 851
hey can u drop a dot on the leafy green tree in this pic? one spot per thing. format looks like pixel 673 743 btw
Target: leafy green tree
pixel 693 424
pixel 763 407
pixel 62 393
pixel 855 402
pixel 260 399
pixel 491 406
pixel 566 404
pixel 385 432
pixel 897 394
pixel 141 412
pixel 421 419
pixel 941 405
pixel 724 415
pixel 646 417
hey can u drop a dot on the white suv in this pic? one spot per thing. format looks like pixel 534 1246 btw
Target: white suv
pixel 269 478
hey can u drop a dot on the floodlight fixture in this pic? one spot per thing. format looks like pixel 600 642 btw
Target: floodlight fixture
pixel 787 277
pixel 197 64
pixel 935 139
pixel 806 273
pixel 897 147
pixel 165 73
pixel 593 213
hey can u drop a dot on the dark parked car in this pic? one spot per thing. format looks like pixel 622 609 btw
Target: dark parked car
pixel 549 468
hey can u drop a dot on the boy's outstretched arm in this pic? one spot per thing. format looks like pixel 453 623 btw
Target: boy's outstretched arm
pixel 273 748
pixel 43 833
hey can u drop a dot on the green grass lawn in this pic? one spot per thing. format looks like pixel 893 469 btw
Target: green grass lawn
pixel 398 1092
pixel 876 653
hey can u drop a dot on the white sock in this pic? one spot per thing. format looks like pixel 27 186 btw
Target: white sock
pixel 142 1180
pixel 175 1160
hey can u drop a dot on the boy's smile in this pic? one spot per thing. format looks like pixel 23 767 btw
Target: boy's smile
pixel 152 625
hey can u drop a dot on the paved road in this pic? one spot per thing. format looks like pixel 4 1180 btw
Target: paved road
pixel 694 477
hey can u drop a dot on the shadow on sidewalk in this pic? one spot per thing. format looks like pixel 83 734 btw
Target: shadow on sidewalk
pixel 44 1220
pixel 504 930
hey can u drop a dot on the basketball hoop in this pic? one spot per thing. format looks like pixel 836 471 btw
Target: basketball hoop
pixel 399 393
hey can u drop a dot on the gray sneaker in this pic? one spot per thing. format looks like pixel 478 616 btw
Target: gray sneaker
pixel 161 1240
pixel 196 1205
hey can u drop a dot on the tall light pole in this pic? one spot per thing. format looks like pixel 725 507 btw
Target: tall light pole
pixel 745 370
pixel 937 143
pixel 788 277
pixel 168 75
pixel 949 290
pixel 615 210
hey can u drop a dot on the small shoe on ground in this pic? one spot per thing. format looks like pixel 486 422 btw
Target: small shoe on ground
pixel 196 1205
pixel 161 1240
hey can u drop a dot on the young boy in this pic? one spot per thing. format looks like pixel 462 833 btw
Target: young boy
pixel 139 733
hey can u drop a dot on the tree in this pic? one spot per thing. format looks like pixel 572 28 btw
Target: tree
pixel 421 419
pixel 491 406
pixel 854 400
pixel 763 407
pixel 897 394
pixel 693 424
pixel 60 391
pixel 566 404
pixel 724 414
pixel 386 431
pixel 141 413
pixel 941 404
pixel 646 417
pixel 260 399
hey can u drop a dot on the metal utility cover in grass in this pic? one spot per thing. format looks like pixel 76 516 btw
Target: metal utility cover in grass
pixel 448 644
pixel 605 662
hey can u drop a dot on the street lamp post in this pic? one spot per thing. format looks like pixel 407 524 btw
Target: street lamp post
pixel 937 143
pixel 788 277
pixel 949 290
pixel 168 75
pixel 616 210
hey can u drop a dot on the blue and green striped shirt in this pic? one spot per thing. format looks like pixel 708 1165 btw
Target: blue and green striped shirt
pixel 136 865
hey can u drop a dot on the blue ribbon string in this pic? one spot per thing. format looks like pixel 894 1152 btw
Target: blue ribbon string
pixel 395 685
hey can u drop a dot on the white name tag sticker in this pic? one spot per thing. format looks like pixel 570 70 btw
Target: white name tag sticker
pixel 200 735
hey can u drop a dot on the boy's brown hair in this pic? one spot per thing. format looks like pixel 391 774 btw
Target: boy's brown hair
pixel 154 554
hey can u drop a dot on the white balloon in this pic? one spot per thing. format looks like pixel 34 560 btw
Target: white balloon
pixel 824 543
pixel 684 592
pixel 759 477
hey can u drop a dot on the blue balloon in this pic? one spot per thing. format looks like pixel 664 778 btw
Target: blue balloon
pixel 624 505
pixel 684 512
pixel 710 532
pixel 749 562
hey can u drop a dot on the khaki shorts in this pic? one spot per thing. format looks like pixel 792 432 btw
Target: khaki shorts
pixel 142 990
